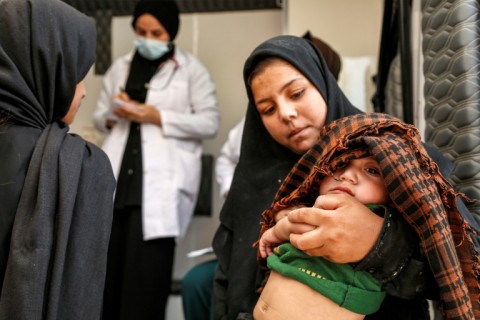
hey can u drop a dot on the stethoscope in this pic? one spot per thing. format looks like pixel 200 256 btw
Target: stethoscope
pixel 148 86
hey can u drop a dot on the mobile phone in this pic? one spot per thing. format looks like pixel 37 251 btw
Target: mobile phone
pixel 118 102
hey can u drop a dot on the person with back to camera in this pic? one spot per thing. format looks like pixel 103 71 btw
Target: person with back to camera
pixel 299 97
pixel 56 189
pixel 157 105
pixel 358 156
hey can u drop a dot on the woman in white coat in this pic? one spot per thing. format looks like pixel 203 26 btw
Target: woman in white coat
pixel 157 105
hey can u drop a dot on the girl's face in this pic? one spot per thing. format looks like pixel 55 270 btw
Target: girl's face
pixel 290 106
pixel 148 26
pixel 361 178
pixel 80 93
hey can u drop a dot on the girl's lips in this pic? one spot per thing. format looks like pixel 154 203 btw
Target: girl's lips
pixel 295 132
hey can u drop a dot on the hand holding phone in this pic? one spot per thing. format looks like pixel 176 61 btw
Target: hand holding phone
pixel 140 113
pixel 118 102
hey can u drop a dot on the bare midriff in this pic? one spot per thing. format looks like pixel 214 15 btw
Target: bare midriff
pixel 284 298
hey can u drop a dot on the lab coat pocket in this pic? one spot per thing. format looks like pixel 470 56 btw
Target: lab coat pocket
pixel 189 169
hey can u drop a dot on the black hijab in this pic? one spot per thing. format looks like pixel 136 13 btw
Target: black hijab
pixel 40 61
pixel 305 57
pixel 141 69
pixel 166 11
pixel 262 167
pixel 57 192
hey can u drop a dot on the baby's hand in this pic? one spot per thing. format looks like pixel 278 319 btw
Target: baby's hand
pixel 281 232
pixel 267 243
pixel 300 228
pixel 283 213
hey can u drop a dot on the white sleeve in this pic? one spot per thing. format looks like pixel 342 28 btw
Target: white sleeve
pixel 204 119
pixel 228 158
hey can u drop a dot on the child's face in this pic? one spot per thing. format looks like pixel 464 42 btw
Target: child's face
pixel 361 178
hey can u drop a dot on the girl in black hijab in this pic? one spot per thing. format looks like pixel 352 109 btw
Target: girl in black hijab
pixel 346 236
pixel 56 189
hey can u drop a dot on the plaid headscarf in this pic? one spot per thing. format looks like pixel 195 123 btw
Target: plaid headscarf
pixel 417 189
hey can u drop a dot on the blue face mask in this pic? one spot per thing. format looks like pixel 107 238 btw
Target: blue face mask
pixel 151 49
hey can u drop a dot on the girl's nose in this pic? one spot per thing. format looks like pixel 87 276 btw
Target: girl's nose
pixel 288 111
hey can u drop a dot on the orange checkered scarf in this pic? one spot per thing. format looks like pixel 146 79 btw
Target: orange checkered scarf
pixel 417 190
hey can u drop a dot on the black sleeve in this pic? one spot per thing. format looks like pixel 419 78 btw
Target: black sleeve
pixel 221 243
pixel 397 258
pixel 398 262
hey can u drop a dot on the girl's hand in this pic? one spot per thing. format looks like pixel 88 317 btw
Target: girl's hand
pixel 346 229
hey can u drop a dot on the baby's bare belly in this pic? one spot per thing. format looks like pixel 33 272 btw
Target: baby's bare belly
pixel 287 299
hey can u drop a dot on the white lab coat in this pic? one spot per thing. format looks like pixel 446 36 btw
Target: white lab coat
pixel 228 158
pixel 185 94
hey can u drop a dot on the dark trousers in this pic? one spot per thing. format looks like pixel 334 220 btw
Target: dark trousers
pixel 197 291
pixel 139 273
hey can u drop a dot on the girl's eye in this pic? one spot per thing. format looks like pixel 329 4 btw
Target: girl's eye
pixel 297 94
pixel 268 110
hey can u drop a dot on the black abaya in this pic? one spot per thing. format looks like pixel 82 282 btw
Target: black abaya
pixel 56 189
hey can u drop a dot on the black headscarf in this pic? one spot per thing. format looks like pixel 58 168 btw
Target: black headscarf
pixel 57 192
pixel 262 167
pixel 166 11
pixel 332 58
pixel 141 69
pixel 41 62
